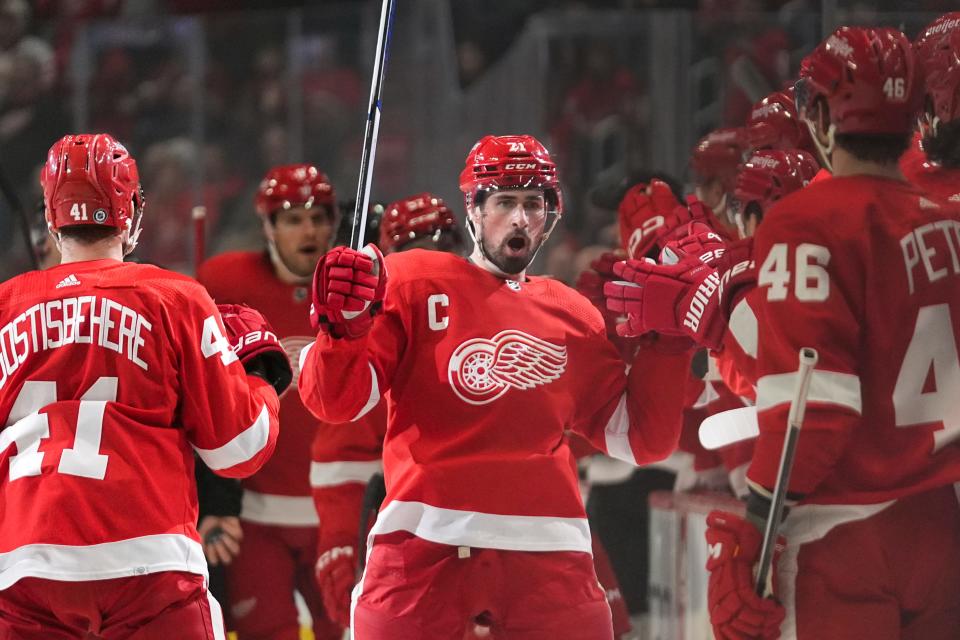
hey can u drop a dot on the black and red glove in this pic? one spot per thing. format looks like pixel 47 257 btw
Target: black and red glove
pixel 736 611
pixel 348 290
pixel 336 572
pixel 256 345
pixel 673 299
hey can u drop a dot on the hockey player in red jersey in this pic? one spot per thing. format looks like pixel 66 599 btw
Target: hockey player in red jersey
pixel 111 375
pixel 297 208
pixel 713 163
pixel 483 368
pixel 933 160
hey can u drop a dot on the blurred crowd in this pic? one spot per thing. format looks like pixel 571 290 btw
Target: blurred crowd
pixel 207 124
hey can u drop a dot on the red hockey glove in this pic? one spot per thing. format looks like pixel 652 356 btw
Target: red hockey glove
pixel 699 242
pixel 590 285
pixel 679 222
pixel 642 213
pixel 736 611
pixel 348 288
pixel 256 345
pixel 336 574
pixel 738 273
pixel 676 299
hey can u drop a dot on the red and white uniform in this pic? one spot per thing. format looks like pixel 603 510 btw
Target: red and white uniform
pixel 927 176
pixel 278 516
pixel 863 269
pixel 343 458
pixel 482 376
pixel 113 375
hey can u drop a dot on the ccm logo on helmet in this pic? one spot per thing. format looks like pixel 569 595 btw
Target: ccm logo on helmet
pixel 520 167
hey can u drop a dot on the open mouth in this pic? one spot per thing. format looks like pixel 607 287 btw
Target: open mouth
pixel 517 244
pixel 308 249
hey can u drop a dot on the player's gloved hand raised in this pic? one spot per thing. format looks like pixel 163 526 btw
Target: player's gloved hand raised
pixel 348 289
pixel 336 574
pixel 256 345
pixel 678 299
pixel 590 285
pixel 643 212
pixel 699 242
pixel 736 611
pixel 680 221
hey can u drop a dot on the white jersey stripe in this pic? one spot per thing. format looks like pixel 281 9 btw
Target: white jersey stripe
pixel 121 559
pixel 243 447
pixel 484 530
pixel 828 387
pixel 617 433
pixel 331 474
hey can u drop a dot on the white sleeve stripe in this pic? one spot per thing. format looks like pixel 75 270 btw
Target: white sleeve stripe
pixel 743 326
pixel 828 387
pixel 330 474
pixel 616 433
pixel 243 447
pixel 303 354
pixel 374 394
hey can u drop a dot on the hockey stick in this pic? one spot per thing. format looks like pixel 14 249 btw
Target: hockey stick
pixel 10 195
pixel 798 406
pixel 729 427
pixel 373 126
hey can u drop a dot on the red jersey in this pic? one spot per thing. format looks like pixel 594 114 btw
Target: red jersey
pixel 280 492
pixel 111 376
pixel 928 176
pixel 865 270
pixel 343 458
pixel 482 377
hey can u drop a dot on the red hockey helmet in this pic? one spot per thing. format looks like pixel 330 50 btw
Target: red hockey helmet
pixel 295 185
pixel 774 124
pixel 511 162
pixel 91 179
pixel 938 54
pixel 415 217
pixel 717 156
pixel 868 78
pixel 770 175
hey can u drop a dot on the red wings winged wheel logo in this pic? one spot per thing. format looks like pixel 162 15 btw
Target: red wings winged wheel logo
pixel 481 370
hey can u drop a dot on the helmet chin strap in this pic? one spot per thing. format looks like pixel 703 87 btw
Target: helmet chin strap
pixel 283 271
pixel 823 151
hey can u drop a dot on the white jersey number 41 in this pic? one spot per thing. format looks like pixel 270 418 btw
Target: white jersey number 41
pixel 28 427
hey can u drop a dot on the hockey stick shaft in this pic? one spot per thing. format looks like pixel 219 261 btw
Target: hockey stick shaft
pixel 373 126
pixel 10 195
pixel 798 406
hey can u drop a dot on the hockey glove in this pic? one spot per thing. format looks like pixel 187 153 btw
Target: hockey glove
pixel 348 290
pixel 679 223
pixel 643 212
pixel 736 611
pixel 336 574
pixel 678 299
pixel 256 345
pixel 699 242
pixel 590 285
pixel 738 273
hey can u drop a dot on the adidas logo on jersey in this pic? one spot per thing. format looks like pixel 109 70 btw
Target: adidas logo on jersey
pixel 70 281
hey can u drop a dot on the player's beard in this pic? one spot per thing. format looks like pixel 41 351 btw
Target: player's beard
pixel 508 256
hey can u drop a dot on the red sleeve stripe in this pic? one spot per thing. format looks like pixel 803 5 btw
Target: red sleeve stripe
pixel 331 474
pixel 828 387
pixel 242 448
